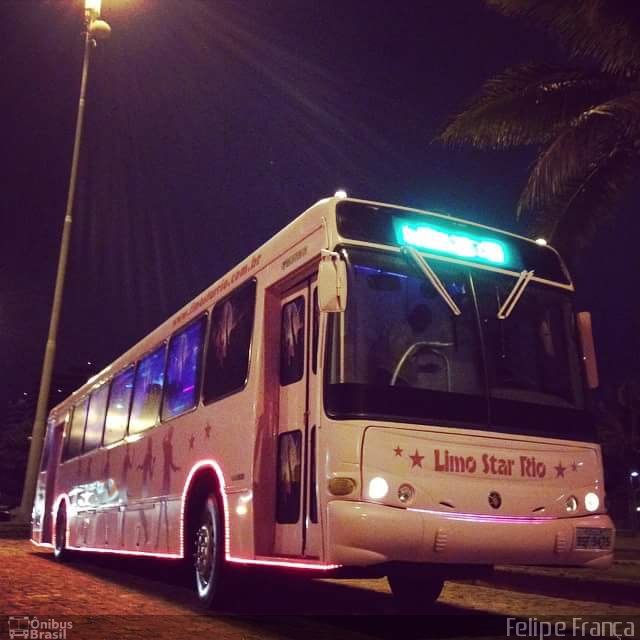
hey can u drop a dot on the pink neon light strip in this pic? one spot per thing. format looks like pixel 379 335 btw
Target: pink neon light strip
pixel 123 552
pixel 477 517
pixel 294 564
pixel 212 464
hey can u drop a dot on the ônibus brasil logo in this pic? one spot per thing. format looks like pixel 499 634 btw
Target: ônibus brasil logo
pixel 33 628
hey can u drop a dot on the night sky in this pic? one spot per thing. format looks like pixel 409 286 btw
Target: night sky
pixel 210 125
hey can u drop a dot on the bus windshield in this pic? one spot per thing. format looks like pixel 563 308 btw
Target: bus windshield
pixel 400 353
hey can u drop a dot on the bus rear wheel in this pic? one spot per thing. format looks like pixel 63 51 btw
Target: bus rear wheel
pixel 415 589
pixel 60 551
pixel 208 555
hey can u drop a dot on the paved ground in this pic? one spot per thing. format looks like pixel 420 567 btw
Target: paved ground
pixel 106 597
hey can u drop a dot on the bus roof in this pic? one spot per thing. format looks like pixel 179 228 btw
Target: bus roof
pixel 319 214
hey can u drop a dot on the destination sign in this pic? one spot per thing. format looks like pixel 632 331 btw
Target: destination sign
pixel 440 240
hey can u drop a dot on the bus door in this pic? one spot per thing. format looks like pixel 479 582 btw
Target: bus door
pixel 50 463
pixel 297 528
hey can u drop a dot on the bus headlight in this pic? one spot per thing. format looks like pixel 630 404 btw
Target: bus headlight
pixel 591 501
pixel 378 488
pixel 571 504
pixel 405 493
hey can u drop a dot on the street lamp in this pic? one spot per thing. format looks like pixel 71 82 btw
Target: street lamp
pixel 95 29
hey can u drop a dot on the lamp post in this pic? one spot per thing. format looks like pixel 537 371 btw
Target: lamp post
pixel 95 29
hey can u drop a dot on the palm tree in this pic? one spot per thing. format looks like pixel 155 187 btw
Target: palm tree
pixel 584 120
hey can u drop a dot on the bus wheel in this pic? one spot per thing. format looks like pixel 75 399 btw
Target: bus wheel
pixel 60 551
pixel 416 589
pixel 208 552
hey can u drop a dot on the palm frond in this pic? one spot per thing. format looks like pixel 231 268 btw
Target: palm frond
pixel 526 105
pixel 581 147
pixel 571 220
pixel 608 31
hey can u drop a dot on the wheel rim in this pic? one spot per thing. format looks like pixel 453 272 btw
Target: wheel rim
pixel 205 555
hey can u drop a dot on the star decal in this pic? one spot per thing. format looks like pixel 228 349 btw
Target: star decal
pixel 192 440
pixel 207 431
pixel 398 451
pixel 560 470
pixel 574 466
pixel 416 460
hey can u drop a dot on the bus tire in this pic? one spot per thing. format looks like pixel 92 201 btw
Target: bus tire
pixel 60 551
pixel 414 590
pixel 208 553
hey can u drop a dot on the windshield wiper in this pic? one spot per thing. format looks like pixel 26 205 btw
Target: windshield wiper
pixel 516 293
pixel 423 265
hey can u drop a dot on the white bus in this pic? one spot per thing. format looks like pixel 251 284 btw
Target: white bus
pixel 375 391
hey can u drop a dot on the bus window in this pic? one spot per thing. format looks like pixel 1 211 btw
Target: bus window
pixel 119 403
pixel 183 369
pixel 292 342
pixel 289 477
pixel 76 431
pixel 147 391
pixel 229 347
pixel 95 418
pixel 44 460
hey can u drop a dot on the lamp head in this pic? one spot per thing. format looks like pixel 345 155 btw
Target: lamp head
pixel 99 29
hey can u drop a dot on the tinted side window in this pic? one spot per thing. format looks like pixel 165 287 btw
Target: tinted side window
pixel 119 403
pixel 76 431
pixel 292 342
pixel 289 481
pixel 183 369
pixel 147 391
pixel 44 460
pixel 229 343
pixel 95 418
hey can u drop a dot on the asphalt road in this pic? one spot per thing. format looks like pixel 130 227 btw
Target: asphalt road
pixel 107 597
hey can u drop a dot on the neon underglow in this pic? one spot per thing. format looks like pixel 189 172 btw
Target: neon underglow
pixel 211 464
pixel 124 552
pixel 425 236
pixel 477 517
pixel 292 564
pixel 70 514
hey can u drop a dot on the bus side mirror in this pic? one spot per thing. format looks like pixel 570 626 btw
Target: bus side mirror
pixel 332 283
pixel 583 319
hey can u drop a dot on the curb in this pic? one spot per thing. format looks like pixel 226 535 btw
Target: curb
pixel 590 589
pixel 16 531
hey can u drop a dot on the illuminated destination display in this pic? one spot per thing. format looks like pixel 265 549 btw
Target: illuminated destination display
pixel 460 245
pixel 447 237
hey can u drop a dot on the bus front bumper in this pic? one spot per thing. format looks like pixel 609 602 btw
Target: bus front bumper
pixel 365 534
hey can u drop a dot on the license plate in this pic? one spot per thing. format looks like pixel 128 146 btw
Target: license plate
pixel 590 538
